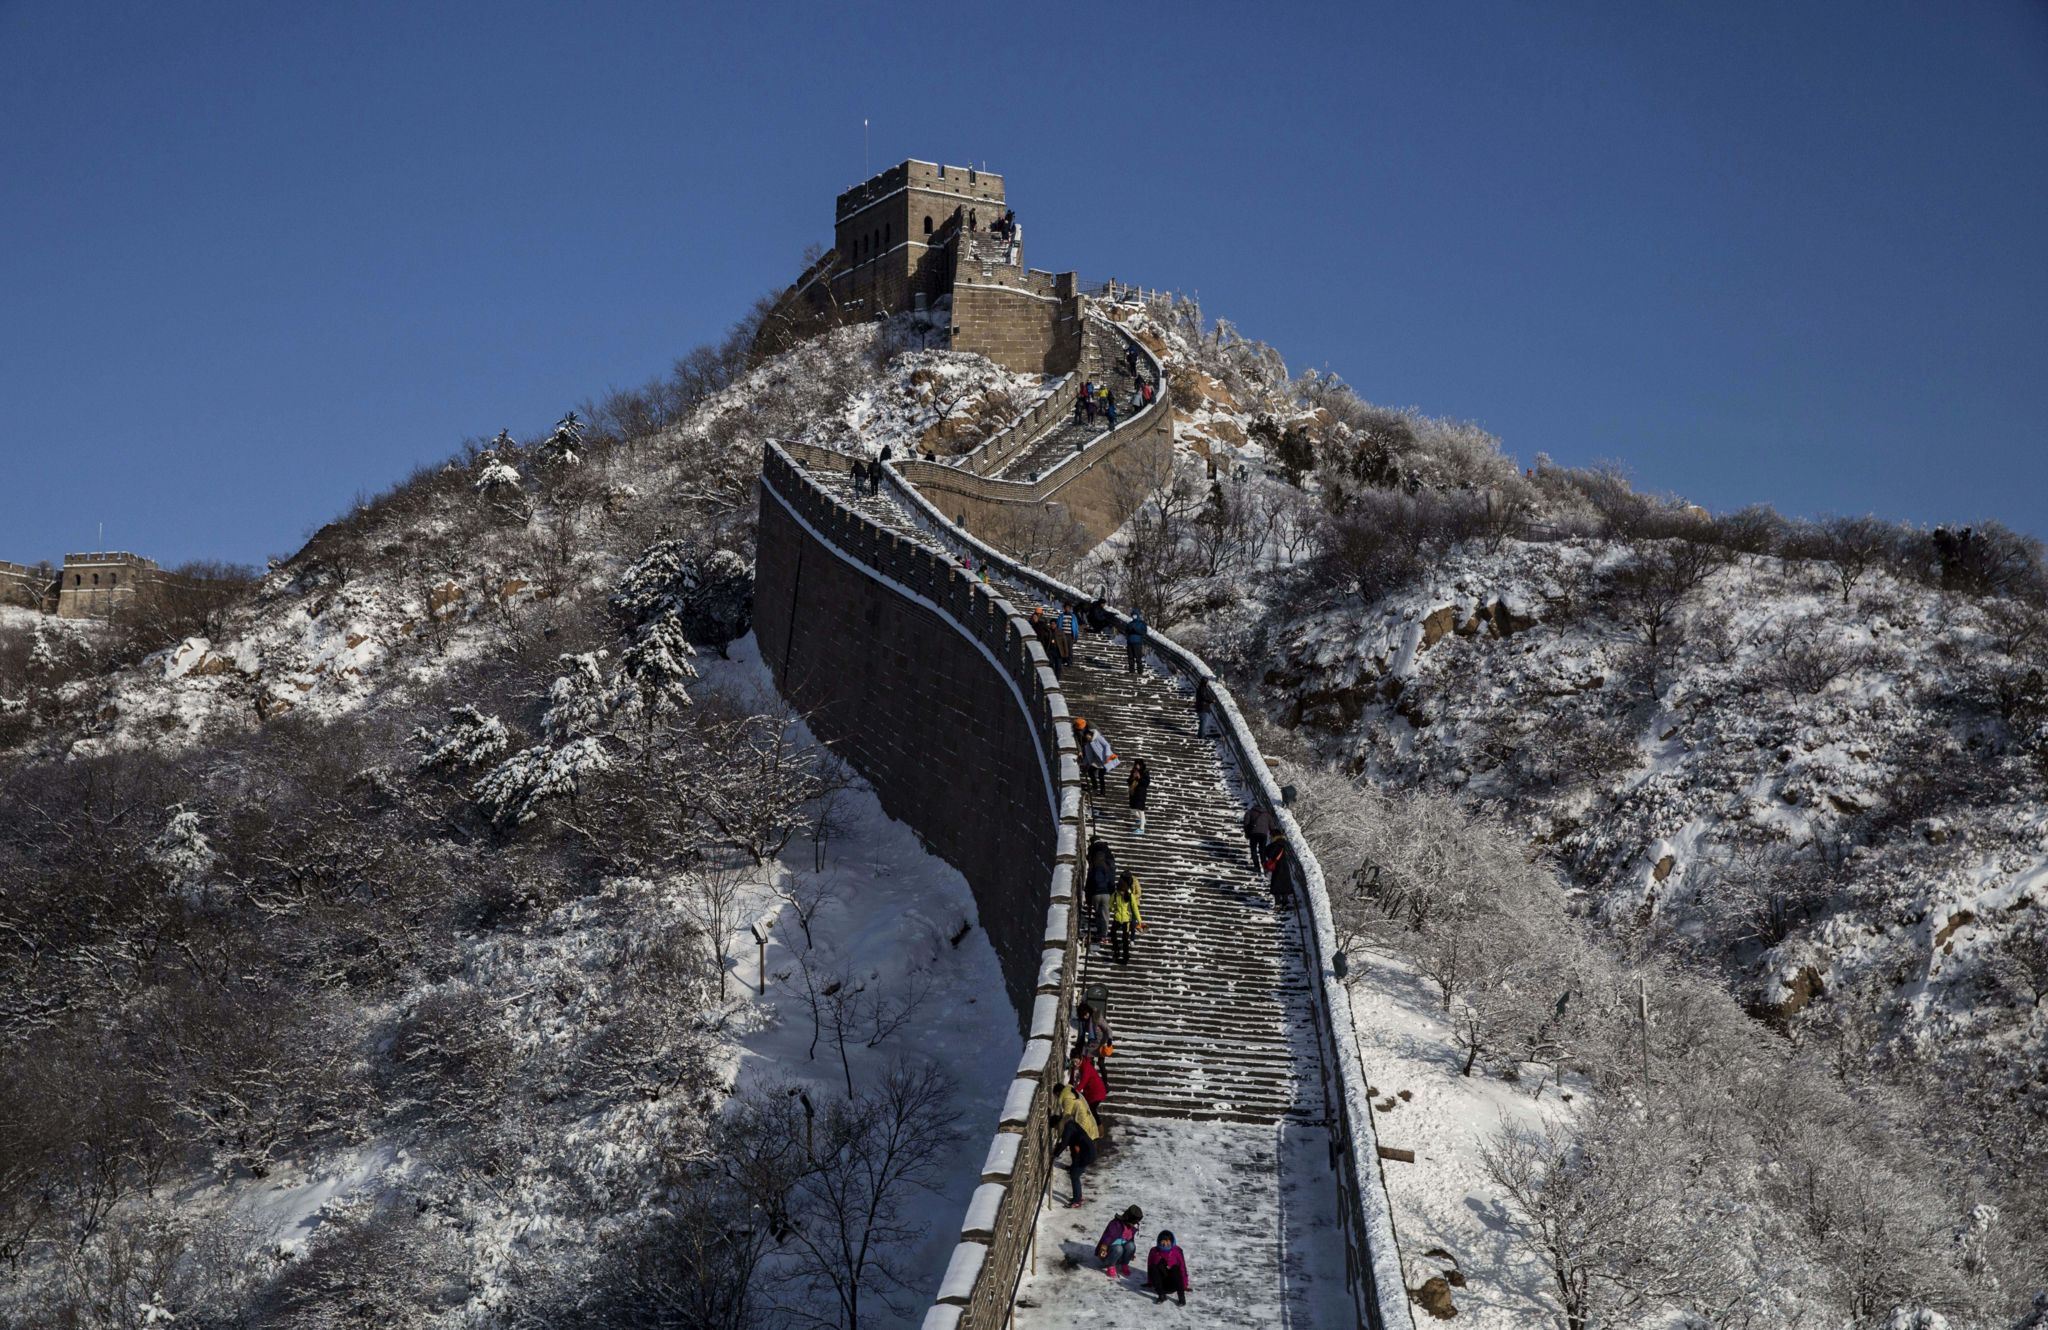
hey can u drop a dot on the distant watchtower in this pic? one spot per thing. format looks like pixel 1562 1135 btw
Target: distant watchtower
pixel 920 235
pixel 94 586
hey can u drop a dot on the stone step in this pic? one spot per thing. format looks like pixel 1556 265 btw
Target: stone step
pixel 1211 1015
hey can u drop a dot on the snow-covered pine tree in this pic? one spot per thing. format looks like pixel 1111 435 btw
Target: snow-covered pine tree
pixel 581 700
pixel 470 738
pixel 183 852
pixel 511 793
pixel 711 592
pixel 658 664
pixel 566 443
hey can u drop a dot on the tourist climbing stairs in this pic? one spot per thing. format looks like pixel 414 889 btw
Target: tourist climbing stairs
pixel 1103 361
pixel 1211 1015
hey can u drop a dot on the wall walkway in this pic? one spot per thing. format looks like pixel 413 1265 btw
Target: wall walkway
pixel 1095 486
pixel 898 576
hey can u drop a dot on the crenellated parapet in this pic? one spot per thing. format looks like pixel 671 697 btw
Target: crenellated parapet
pixel 935 688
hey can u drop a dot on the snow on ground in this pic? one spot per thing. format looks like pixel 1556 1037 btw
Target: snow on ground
pixel 1443 1202
pixel 285 1208
pixel 891 918
pixel 1249 1204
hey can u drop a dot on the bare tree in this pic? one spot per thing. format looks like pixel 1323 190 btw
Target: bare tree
pixel 764 779
pixel 806 896
pixel 711 897
pixel 1851 547
pixel 1647 594
pixel 874 1152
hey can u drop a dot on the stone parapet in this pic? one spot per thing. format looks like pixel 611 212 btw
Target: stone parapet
pixel 1372 1252
pixel 936 689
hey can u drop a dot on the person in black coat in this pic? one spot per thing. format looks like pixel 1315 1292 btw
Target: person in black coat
pixel 1099 885
pixel 1140 783
pixel 1259 826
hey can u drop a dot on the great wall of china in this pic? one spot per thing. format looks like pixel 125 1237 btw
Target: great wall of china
pixel 88 586
pixel 1233 1023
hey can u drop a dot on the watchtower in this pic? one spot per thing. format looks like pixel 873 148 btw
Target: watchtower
pixel 888 228
pixel 94 586
pixel 917 235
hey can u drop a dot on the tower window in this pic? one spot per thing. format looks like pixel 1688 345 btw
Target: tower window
pixel 885 235
pixel 927 225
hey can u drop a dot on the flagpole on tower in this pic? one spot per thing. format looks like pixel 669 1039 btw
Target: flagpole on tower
pixel 863 145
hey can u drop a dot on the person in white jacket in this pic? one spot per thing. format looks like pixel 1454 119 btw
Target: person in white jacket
pixel 1095 760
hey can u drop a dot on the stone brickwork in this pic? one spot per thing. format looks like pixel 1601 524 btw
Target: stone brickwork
pixel 920 710
pixel 1018 328
pixel 98 585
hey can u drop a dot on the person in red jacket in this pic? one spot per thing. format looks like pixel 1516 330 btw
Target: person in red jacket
pixel 1088 1081
pixel 1277 878
pixel 1166 1270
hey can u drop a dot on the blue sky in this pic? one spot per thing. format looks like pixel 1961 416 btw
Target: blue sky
pixel 258 258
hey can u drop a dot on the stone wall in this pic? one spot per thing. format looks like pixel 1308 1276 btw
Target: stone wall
pixel 894 649
pixel 23 585
pixel 918 708
pixel 1020 330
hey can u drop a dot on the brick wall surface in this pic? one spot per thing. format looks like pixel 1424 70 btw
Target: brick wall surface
pixel 925 717
pixel 1021 331
pixel 22 585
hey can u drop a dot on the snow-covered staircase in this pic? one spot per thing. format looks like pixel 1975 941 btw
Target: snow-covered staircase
pixel 1210 1016
pixel 1220 1125
pixel 1103 362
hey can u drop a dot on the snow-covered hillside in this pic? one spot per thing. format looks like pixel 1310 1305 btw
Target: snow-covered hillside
pixel 383 952
pixel 1812 789
pixel 1805 758
pixel 375 943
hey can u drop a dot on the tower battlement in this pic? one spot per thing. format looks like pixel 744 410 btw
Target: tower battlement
pixel 920 234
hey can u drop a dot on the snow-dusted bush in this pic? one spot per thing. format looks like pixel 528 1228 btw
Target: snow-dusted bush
pixel 469 739
pixel 512 793
pixel 709 592
pixel 496 476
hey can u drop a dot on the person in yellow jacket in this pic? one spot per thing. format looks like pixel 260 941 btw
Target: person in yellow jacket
pixel 1077 1132
pixel 1125 917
